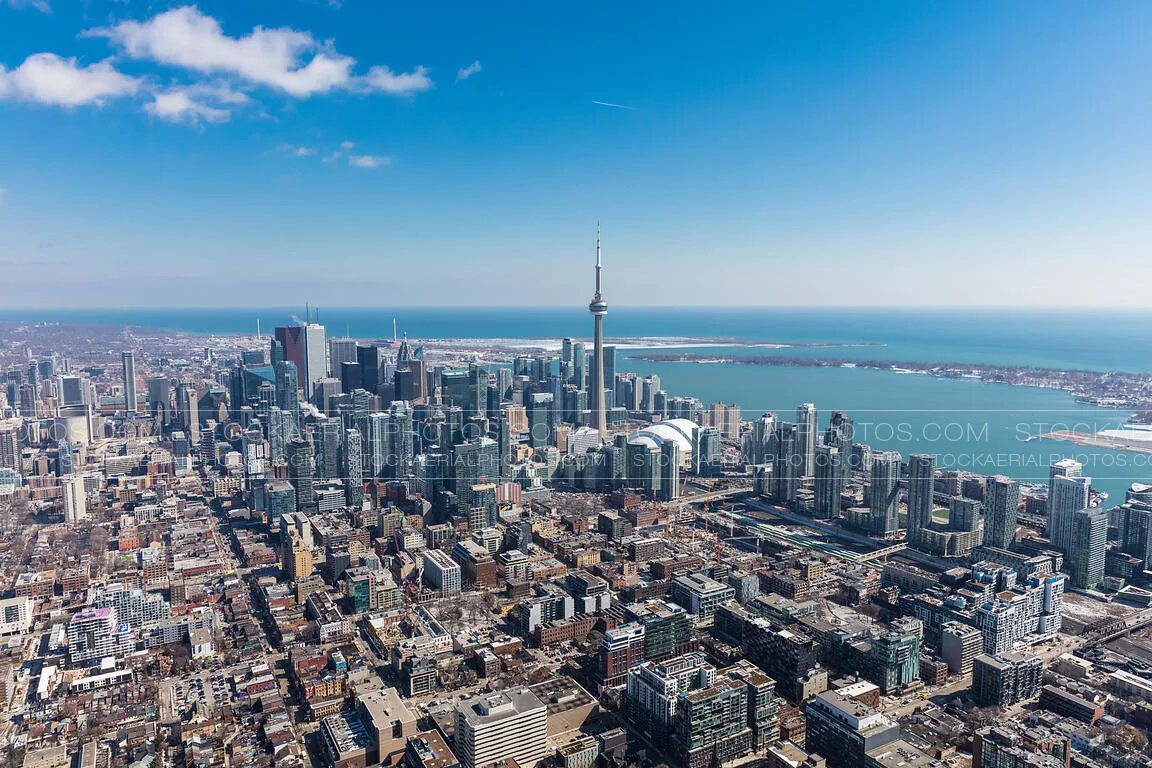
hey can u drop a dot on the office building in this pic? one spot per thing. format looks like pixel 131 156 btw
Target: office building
pixel 301 473
pixel 441 572
pixel 667 628
pixel 493 728
pixel 843 730
pixel 700 595
pixel 342 351
pixel 315 355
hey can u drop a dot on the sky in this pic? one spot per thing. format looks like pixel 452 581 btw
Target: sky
pixel 365 153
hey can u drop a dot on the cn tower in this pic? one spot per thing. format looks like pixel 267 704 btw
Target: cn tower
pixel 598 307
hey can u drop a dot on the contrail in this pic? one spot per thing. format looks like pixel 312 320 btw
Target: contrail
pixel 617 106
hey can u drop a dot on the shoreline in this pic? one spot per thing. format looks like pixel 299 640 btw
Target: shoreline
pixel 1110 389
pixel 1096 441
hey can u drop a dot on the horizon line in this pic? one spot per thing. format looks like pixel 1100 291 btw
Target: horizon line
pixel 620 308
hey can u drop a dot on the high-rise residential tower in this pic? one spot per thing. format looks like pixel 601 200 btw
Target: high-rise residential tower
pixel 598 307
pixel 921 478
pixel 128 363
pixel 1067 495
pixel 806 424
pixel 1089 540
pixel 884 493
pixel 1001 498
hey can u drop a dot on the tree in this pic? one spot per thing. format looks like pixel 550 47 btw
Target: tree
pixel 1125 739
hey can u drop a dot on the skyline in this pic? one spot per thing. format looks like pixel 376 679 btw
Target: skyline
pixel 976 155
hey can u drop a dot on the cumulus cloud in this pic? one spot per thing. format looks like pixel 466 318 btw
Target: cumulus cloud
pixel 368 161
pixel 46 78
pixel 179 106
pixel 195 104
pixel 466 72
pixel 384 80
pixel 288 60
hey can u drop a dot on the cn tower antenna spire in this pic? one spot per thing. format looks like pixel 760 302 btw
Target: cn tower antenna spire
pixel 598 267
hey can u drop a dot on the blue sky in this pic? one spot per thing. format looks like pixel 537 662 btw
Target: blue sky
pixel 363 153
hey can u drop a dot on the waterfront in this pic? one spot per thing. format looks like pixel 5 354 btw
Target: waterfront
pixel 983 427
pixel 1039 338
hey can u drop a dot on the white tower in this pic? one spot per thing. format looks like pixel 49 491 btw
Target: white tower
pixel 598 307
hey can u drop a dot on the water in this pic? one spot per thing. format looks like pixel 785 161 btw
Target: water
pixel 968 423
pixel 1067 338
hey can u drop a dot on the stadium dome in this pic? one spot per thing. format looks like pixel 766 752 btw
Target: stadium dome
pixel 676 430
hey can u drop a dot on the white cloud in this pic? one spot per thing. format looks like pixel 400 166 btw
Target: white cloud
pixel 286 59
pixel 466 72
pixel 49 79
pixel 368 161
pixel 297 150
pixel 179 106
pixel 347 146
pixel 40 5
pixel 384 80
pixel 204 102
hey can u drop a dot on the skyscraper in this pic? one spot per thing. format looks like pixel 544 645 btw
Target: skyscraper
pixel 669 470
pixel 128 364
pixel 160 400
pixel 787 462
pixel 884 493
pixel 806 423
pixel 353 468
pixel 1089 537
pixel 598 307
pixel 315 355
pixel 1067 495
pixel 921 479
pixel 828 480
pixel 1001 498
pixel 341 351
pixel 301 471
pixel 291 338
pixel 287 396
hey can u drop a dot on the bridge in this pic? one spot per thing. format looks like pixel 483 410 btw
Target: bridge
pixel 707 496
pixel 1106 630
